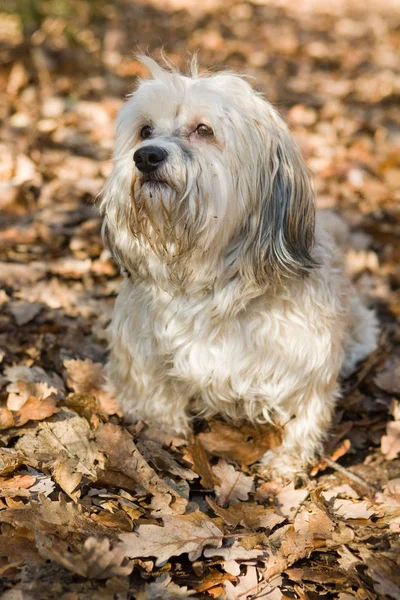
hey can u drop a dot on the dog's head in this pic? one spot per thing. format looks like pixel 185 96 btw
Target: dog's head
pixel 206 166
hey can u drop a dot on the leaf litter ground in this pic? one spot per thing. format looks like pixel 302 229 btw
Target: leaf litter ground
pixel 90 508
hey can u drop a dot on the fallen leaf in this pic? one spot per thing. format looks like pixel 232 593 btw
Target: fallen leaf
pixel 180 534
pixel 350 509
pixel 289 499
pixel 66 475
pixel 118 520
pixel 54 517
pixel 16 482
pixel 213 579
pixel 24 312
pixel 384 573
pixel 389 379
pixel 245 445
pixel 390 443
pixel 35 409
pixel 233 485
pixel 164 589
pixel 43 485
pixel 87 377
pixel 95 561
pixel 163 460
pixel 6 418
pixel 66 432
pixel 318 575
pixel 246 587
pixel 124 456
pixel 248 514
pixel 233 552
pixel 197 456
pixel 35 374
pixel 10 459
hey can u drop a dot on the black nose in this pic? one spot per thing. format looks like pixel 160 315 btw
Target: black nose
pixel 148 158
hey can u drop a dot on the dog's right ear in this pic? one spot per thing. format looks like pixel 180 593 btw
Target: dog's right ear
pixel 279 233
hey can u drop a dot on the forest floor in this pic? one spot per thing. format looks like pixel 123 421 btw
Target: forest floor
pixel 89 508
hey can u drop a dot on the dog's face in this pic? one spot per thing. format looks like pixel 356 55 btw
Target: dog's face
pixel 204 165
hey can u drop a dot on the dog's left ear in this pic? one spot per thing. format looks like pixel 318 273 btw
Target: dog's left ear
pixel 279 233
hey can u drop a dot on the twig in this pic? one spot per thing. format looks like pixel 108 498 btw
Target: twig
pixel 356 478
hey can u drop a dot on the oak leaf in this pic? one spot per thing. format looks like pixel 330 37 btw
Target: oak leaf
pixel 95 561
pixel 390 443
pixel 245 445
pixel 180 534
pixel 233 485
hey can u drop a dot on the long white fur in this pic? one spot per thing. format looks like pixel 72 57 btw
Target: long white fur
pixel 236 303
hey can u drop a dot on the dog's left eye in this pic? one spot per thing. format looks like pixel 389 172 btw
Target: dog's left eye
pixel 204 130
pixel 146 132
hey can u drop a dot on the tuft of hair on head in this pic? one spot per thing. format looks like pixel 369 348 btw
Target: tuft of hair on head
pixel 194 65
pixel 155 69
pixel 162 73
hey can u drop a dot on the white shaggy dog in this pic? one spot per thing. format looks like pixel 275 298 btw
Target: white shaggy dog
pixel 236 302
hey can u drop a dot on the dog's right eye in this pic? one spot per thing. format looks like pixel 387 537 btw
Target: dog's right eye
pixel 146 132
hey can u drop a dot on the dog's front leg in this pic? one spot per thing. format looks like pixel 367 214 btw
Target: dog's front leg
pixel 303 436
pixel 144 392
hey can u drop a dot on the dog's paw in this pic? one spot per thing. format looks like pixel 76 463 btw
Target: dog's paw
pixel 283 467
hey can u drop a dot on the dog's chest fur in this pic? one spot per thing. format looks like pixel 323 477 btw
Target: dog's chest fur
pixel 263 353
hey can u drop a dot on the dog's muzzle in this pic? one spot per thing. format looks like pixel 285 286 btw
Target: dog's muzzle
pixel 149 158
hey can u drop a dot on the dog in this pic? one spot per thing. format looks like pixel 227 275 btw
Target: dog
pixel 236 301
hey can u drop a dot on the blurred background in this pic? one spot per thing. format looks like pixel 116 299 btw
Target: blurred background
pixel 331 69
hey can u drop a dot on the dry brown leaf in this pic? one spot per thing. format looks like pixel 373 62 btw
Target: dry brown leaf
pixel 390 443
pixel 84 375
pixel 248 514
pixel 233 552
pixel 289 499
pixel 184 533
pixel 163 460
pixel 18 544
pixel 118 520
pixel 115 479
pixel 46 382
pixel 66 432
pixel 86 405
pixel 65 474
pixel 25 390
pixel 10 459
pixel 87 377
pixel 54 517
pixel 6 418
pixel 214 579
pixel 389 379
pixel 123 456
pixel 95 561
pixel 35 409
pixel 245 445
pixel 314 522
pixel 233 485
pixel 318 575
pixel 245 588
pixel 291 547
pixel 384 572
pixel 350 509
pixel 24 312
pixel 197 456
pixel 17 482
pixel 164 589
